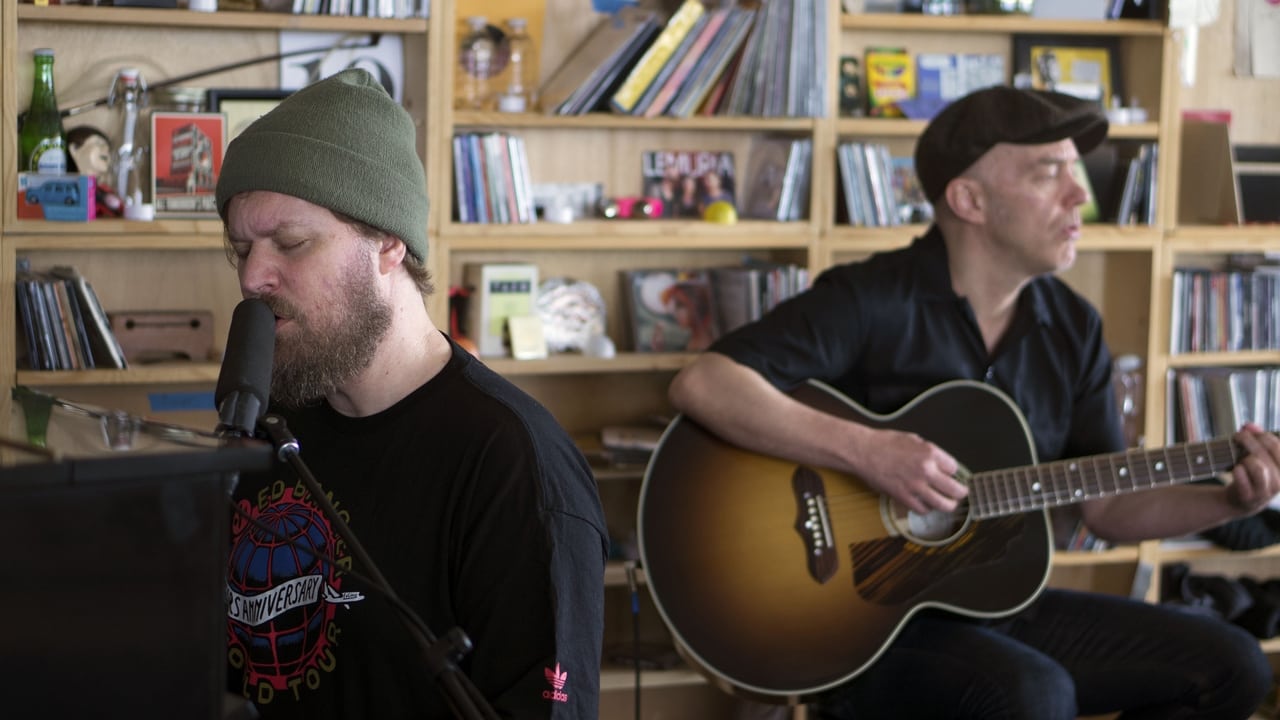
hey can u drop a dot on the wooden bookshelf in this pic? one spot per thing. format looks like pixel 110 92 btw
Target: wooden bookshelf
pixel 180 263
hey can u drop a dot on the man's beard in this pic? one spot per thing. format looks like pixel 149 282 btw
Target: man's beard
pixel 319 355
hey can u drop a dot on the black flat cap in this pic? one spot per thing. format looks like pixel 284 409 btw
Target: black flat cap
pixel 967 128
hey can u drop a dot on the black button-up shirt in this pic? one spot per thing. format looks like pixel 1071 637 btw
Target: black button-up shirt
pixel 886 329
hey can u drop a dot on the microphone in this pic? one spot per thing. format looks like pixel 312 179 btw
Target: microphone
pixel 244 383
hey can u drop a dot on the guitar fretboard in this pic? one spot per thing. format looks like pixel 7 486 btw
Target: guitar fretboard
pixel 1064 482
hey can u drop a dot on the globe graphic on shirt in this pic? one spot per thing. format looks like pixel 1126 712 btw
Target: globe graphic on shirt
pixel 296 543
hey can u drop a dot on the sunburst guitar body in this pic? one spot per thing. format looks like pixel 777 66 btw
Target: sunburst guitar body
pixel 781 580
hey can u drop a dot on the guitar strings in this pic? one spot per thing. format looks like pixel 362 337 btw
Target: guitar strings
pixel 1009 491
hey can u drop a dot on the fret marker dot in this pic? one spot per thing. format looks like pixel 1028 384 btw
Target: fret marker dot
pixel 1160 466
pixel 1124 472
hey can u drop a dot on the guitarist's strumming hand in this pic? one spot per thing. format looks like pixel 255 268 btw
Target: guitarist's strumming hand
pixel 1256 478
pixel 913 471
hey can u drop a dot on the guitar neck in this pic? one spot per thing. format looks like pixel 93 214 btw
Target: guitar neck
pixel 1065 482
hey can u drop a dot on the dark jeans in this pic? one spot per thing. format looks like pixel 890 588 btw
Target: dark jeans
pixel 1067 654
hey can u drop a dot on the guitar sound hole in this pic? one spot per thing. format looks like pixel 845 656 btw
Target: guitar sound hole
pixel 932 528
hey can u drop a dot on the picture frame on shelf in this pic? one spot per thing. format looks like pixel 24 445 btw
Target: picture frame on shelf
pixel 242 106
pixel 380 54
pixel 1087 67
pixel 186 157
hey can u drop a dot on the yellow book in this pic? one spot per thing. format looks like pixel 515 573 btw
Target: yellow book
pixel 631 90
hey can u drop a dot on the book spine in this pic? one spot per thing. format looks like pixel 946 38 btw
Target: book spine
pixel 798 208
pixel 461 182
pixel 679 26
pixel 524 184
pixel 712 65
pixel 479 190
pixel 27 316
pixel 741 93
pixel 685 59
pixel 81 328
pixel 56 328
pixel 101 324
pixel 675 67
pixel 75 352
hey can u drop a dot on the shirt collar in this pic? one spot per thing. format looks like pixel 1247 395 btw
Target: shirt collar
pixel 934 277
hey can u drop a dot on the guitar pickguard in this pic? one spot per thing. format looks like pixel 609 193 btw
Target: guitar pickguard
pixel 895 570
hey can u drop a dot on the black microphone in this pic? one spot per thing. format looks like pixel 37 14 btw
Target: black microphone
pixel 244 383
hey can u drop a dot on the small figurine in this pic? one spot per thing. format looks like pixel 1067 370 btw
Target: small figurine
pixel 89 153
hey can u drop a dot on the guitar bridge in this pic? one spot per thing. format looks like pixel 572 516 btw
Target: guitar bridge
pixel 813 523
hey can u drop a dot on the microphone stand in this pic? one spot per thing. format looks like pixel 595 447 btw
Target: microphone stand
pixel 441 654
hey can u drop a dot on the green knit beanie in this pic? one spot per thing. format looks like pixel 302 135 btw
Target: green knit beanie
pixel 342 143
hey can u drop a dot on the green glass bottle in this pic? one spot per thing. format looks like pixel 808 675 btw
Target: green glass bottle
pixel 42 143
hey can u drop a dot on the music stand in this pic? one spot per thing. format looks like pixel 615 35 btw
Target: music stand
pixel 114 582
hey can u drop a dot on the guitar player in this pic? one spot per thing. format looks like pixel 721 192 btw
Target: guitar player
pixel 976 298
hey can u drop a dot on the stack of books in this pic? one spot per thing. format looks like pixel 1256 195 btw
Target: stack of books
pixel 705 59
pixel 491 179
pixel 866 174
pixel 63 325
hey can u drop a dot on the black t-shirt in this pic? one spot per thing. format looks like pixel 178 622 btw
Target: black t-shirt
pixel 886 329
pixel 479 511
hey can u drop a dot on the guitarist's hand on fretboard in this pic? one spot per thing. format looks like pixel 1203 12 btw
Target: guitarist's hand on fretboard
pixel 1256 478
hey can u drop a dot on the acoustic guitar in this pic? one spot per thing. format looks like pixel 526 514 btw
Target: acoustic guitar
pixel 780 581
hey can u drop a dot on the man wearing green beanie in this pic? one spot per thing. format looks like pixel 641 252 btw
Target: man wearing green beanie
pixel 470 498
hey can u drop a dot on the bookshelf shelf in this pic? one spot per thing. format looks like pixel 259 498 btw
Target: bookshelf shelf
pixel 1220 359
pixel 108 241
pixel 1099 237
pixel 1102 236
pixel 615 574
pixel 627 234
pixel 115 228
pixel 606 121
pixel 1111 556
pixel 1191 239
pixel 997 24
pixel 168 374
pixel 616 678
pixel 1174 552
pixel 900 128
pixel 879 127
pixel 185 19
pixel 569 364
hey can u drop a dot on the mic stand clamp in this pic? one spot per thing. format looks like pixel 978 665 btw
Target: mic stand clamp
pixel 441 654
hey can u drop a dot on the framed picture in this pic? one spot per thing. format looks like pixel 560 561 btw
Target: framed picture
pixel 1086 67
pixel 186 156
pixel 242 106
pixel 381 54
